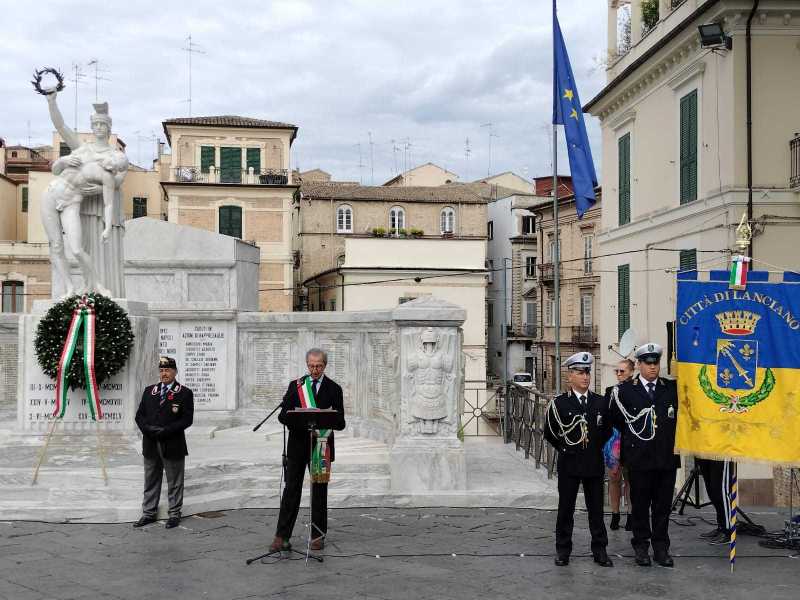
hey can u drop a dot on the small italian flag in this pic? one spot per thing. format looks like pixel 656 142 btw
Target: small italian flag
pixel 739 266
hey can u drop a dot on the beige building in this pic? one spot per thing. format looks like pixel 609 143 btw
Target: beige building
pixel 509 180
pixel 232 175
pixel 675 160
pixel 427 175
pixel 579 286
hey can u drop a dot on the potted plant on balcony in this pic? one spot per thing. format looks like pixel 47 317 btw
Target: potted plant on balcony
pixel 416 233
pixel 378 232
pixel 403 232
pixel 392 232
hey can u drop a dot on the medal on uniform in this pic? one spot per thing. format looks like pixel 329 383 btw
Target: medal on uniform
pixel 599 420
pixel 671 412
pixel 175 408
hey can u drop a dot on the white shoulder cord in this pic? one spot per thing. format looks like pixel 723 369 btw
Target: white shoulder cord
pixel 645 413
pixel 577 422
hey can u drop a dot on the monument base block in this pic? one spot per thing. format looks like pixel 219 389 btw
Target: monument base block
pixel 424 464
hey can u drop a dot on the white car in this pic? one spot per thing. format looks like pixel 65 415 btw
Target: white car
pixel 523 379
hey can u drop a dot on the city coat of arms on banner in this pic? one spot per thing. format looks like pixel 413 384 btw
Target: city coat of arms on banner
pixel 738 367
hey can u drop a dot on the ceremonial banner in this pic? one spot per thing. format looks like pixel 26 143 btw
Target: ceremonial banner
pixel 738 357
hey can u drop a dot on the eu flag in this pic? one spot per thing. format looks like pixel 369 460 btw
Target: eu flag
pixel 567 112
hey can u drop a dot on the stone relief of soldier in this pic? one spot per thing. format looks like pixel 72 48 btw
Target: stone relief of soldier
pixel 431 378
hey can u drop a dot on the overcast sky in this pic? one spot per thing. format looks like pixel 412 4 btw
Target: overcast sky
pixel 421 75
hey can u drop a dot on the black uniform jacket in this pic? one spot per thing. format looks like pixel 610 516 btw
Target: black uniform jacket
pixel 658 453
pixel 577 461
pixel 174 416
pixel 328 396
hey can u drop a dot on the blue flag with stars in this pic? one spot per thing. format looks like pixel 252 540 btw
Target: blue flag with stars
pixel 567 111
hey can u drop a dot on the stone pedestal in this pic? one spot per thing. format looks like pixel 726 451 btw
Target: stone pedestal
pixel 119 395
pixel 427 455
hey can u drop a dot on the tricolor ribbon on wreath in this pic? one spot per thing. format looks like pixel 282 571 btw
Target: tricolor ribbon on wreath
pixel 320 464
pixel 82 317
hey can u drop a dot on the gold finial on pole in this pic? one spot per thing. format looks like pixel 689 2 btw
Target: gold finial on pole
pixel 744 234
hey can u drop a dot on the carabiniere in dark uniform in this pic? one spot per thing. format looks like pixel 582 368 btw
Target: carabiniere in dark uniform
pixel 645 411
pixel 578 425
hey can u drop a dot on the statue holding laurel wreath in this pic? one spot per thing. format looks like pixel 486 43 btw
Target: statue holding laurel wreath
pixel 80 209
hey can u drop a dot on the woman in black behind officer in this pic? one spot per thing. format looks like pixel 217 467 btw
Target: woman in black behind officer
pixel 578 425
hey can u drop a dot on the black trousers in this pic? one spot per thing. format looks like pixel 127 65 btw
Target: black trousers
pixel 713 474
pixel 651 504
pixel 290 502
pixel 565 520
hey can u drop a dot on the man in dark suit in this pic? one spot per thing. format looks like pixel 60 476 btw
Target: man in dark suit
pixel 165 412
pixel 645 410
pixel 327 394
pixel 578 425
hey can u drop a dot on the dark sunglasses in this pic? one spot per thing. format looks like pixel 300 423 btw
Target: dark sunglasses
pixel 651 361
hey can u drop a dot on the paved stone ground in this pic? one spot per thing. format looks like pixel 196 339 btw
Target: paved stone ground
pixel 205 558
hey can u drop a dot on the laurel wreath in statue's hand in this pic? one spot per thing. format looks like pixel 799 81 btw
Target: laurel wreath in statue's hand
pixel 39 74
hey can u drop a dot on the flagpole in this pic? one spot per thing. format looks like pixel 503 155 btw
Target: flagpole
pixel 556 262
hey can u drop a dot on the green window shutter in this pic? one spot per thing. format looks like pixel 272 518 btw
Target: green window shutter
pixel 254 159
pixel 623 298
pixel 230 165
pixel 688 147
pixel 688 260
pixel 206 158
pixel 63 149
pixel 230 221
pixel 624 148
pixel 25 199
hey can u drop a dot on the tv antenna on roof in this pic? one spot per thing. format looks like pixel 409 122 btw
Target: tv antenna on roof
pixel 98 77
pixel 77 75
pixel 491 135
pixel 467 152
pixel 191 48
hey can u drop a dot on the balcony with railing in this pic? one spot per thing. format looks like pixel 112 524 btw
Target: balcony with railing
pixel 526 330
pixel 547 272
pixel 584 334
pixel 794 161
pixel 215 176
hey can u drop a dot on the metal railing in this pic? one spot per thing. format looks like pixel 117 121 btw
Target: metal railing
pixel 547 271
pixel 481 416
pixel 529 329
pixel 523 424
pixel 241 176
pixel 584 334
pixel 794 161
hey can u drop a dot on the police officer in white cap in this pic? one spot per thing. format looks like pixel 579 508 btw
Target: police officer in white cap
pixel 578 424
pixel 645 411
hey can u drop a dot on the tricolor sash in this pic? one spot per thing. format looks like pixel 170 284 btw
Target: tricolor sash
pixel 320 464
pixel 82 315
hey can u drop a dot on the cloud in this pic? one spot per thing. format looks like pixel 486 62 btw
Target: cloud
pixel 420 76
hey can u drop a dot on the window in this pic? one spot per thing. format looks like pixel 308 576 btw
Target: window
pixel 230 165
pixel 13 297
pixel 397 219
pixel 688 260
pixel 586 309
pixel 139 207
pixel 530 267
pixel 24 198
pixel 490 230
pixel 530 317
pixel 688 147
pixel 230 221
pixel 447 222
pixel 344 219
pixel 63 149
pixel 587 254
pixel 254 160
pixel 624 175
pixel 13 154
pixel 550 311
pixel 333 305
pixel 490 269
pixel 489 314
pixel 206 158
pixel 623 299
pixel 553 250
pixel 528 225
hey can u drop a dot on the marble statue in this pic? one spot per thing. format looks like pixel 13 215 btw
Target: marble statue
pixel 430 368
pixel 85 195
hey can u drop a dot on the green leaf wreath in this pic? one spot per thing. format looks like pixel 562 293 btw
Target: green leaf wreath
pixel 733 403
pixel 114 340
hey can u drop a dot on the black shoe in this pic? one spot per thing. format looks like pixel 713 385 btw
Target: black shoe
pixel 722 537
pixel 711 534
pixel 643 559
pixel 614 521
pixel 664 559
pixel 628 525
pixel 602 559
pixel 144 520
pixel 172 522
pixel 562 561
